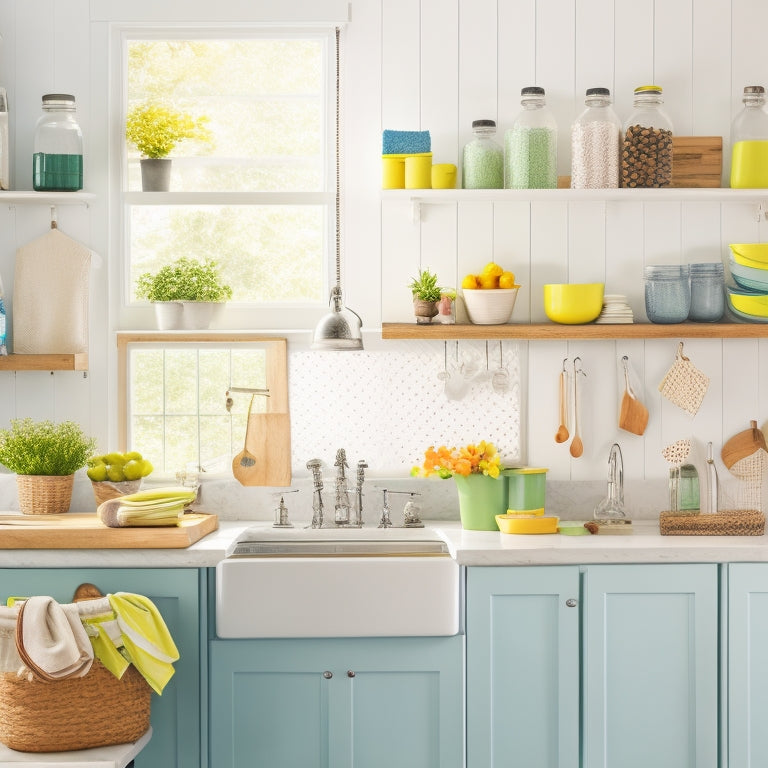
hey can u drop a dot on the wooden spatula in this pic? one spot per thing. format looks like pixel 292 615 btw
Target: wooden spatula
pixel 742 445
pixel 633 415
pixel 243 464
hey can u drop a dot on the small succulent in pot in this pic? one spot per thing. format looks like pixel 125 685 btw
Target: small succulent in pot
pixel 426 293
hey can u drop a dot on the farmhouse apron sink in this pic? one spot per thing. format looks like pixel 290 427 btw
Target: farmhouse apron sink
pixel 337 583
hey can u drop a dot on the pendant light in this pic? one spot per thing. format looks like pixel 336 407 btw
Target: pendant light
pixel 339 330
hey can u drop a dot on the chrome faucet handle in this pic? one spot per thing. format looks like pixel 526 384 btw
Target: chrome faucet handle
pixel 313 465
pixel 385 521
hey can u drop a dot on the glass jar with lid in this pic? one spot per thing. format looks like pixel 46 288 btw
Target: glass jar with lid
pixel 667 292
pixel 646 158
pixel 58 146
pixel 749 142
pixel 596 143
pixel 530 145
pixel 483 158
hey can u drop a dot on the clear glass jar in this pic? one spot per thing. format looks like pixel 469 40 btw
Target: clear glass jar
pixel 646 158
pixel 530 145
pixel 596 143
pixel 707 292
pixel 667 293
pixel 483 159
pixel 749 142
pixel 58 146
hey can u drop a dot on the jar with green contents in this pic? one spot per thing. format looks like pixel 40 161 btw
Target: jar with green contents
pixel 58 146
pixel 749 142
pixel 530 145
pixel 483 158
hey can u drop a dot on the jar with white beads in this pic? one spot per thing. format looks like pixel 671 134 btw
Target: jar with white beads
pixel 596 143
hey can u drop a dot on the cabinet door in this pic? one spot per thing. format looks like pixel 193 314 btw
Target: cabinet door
pixel 363 703
pixel 650 666
pixel 747 649
pixel 176 723
pixel 523 667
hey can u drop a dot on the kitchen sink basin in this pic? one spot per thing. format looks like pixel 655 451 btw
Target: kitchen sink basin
pixel 301 582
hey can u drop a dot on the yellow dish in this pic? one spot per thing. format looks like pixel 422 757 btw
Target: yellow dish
pixel 520 524
pixel 526 512
pixel 573 303
pixel 753 255
pixel 756 305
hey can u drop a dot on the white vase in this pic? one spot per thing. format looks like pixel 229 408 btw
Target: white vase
pixel 198 315
pixel 169 315
pixel 155 174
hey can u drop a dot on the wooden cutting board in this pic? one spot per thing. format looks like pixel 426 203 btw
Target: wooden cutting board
pixel 268 442
pixel 86 531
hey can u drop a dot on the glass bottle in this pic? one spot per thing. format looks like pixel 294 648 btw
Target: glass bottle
pixel 5 175
pixel 646 157
pixel 530 145
pixel 749 142
pixel 58 146
pixel 596 143
pixel 483 159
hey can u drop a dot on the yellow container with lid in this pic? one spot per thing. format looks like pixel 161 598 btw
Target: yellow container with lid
pixel 526 489
pixel 527 524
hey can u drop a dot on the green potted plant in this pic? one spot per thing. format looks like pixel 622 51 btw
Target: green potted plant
pixel 186 293
pixel 155 130
pixel 45 456
pixel 426 293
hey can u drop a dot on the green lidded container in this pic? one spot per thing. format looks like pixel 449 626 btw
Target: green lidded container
pixel 526 488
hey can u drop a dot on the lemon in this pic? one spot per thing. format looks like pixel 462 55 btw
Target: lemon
pixel 470 281
pixel 489 281
pixel 492 269
pixel 507 280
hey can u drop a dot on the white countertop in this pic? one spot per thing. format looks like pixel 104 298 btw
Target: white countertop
pixel 471 548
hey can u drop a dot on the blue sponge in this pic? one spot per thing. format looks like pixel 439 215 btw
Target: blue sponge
pixel 405 142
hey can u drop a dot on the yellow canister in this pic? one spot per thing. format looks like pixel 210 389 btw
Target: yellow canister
pixel 392 172
pixel 443 176
pixel 418 171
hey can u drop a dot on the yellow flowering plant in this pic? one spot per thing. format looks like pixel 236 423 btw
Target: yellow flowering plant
pixel 155 130
pixel 479 459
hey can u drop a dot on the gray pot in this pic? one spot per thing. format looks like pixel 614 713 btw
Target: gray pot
pixel 155 174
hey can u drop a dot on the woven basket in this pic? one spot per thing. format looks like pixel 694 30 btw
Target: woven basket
pixel 106 490
pixel 44 494
pixel 97 710
pixel 748 522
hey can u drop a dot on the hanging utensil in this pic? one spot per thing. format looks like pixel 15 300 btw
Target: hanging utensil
pixel 562 433
pixel 577 445
pixel 500 378
pixel 742 445
pixel 633 415
pixel 243 463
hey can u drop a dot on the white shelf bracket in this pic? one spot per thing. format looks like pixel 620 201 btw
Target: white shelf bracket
pixel 416 210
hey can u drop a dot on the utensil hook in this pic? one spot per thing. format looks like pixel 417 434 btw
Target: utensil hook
pixel 577 367
pixel 54 223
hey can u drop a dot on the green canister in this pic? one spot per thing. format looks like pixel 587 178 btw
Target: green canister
pixel 526 487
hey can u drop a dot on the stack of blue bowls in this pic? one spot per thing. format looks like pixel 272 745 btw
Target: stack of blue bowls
pixel 748 299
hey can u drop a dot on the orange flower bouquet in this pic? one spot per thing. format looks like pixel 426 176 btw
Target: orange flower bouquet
pixel 480 459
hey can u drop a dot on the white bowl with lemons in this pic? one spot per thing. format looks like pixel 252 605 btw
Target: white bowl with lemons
pixel 490 295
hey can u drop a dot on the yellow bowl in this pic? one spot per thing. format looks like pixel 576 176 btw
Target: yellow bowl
pixel 489 306
pixel 573 303
pixel 756 304
pixel 750 254
pixel 522 524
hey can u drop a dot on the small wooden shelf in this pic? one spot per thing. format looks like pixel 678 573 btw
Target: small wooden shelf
pixel 556 332
pixel 27 197
pixel 58 362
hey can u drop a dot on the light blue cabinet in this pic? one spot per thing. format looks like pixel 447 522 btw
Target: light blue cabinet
pixel 178 739
pixel 600 666
pixel 337 703
pixel 747 655
pixel 523 667
pixel 650 666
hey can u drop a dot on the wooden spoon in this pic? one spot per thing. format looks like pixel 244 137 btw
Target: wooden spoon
pixel 245 461
pixel 633 416
pixel 577 446
pixel 562 433
pixel 742 445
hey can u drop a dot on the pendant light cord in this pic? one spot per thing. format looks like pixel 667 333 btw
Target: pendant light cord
pixel 338 170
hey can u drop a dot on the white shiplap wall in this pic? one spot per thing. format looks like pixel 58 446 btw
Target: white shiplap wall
pixel 702 53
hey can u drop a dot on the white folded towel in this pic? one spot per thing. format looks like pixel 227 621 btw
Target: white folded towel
pixel 51 639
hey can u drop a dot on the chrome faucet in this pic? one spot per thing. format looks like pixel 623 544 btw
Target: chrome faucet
pixel 612 506
pixel 342 505
pixel 313 465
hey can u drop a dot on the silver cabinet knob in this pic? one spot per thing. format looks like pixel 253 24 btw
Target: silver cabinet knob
pixel 327 675
pixel 571 602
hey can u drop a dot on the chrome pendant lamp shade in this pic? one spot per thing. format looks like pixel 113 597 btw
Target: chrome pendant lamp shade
pixel 340 329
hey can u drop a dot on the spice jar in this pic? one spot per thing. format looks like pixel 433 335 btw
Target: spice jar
pixel 646 158
pixel 530 145
pixel 596 143
pixel 667 293
pixel 749 142
pixel 58 146
pixel 483 160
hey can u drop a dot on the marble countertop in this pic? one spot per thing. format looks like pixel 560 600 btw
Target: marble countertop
pixel 470 548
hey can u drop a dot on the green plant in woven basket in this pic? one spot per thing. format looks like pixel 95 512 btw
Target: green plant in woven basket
pixel 31 447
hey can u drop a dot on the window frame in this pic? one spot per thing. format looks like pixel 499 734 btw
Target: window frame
pixel 239 316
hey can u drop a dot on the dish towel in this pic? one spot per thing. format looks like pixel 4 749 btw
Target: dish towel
pixel 51 640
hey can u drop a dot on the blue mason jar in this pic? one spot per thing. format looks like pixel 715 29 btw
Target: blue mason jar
pixel 667 293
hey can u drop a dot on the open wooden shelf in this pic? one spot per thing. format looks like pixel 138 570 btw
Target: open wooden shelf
pixel 557 332
pixel 57 362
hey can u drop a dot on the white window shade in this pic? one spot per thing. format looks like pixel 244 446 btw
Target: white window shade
pixel 255 11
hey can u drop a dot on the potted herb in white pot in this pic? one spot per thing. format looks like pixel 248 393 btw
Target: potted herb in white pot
pixel 187 293
pixel 155 130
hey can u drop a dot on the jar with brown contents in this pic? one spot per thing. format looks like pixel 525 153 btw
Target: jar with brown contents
pixel 646 159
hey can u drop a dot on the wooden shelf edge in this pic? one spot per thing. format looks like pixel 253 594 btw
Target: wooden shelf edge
pixel 55 362
pixel 555 332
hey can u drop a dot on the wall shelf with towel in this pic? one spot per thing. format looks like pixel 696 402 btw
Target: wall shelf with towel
pixel 52 362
